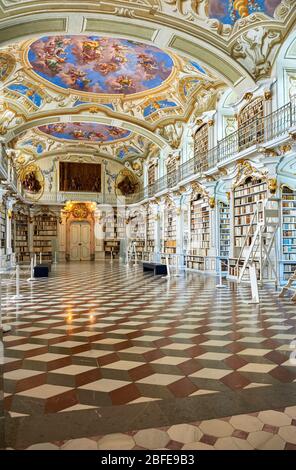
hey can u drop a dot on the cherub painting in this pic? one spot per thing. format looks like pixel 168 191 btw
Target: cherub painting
pixel 99 64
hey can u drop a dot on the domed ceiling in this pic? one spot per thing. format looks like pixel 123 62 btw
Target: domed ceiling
pixel 229 11
pixel 85 131
pixel 99 65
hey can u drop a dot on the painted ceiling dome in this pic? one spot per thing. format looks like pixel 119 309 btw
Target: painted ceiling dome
pixel 85 131
pixel 229 11
pixel 99 65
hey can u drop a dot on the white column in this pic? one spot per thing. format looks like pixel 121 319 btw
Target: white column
pixel 9 206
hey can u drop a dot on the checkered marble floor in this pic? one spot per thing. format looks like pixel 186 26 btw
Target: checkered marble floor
pixel 105 340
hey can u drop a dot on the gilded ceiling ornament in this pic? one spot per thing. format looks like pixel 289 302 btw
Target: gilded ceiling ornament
pixel 268 152
pixel 212 202
pixel 272 185
pixel 285 148
pixel 186 8
pixel 267 95
pixel 245 170
pixel 248 96
pixel 7 65
pixel 197 188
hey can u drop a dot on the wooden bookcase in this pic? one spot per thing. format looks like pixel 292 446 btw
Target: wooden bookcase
pixel 114 232
pixel 44 235
pixel 200 233
pixel 245 197
pixel 2 228
pixel 224 230
pixel 137 235
pixel 201 145
pixel 288 232
pixel 150 245
pixel 170 236
pixel 21 232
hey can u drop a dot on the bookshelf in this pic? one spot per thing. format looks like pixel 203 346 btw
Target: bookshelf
pixel 151 175
pixel 246 197
pixel 200 233
pixel 137 235
pixel 171 172
pixel 45 232
pixel 21 246
pixel 251 123
pixel 224 234
pixel 114 232
pixel 150 245
pixel 288 232
pixel 2 228
pixel 201 144
pixel 170 236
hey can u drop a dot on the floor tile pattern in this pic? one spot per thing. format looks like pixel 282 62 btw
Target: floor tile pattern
pixel 97 335
pixel 266 430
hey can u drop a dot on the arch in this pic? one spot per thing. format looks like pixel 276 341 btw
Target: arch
pixel 67 116
pixel 171 33
pixel 284 69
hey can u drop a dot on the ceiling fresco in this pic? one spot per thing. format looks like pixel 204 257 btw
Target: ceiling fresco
pixel 99 65
pixel 229 11
pixel 85 131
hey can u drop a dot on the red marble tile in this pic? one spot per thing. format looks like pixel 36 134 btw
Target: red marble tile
pixel 235 347
pixel 210 440
pixel 276 357
pixel 108 359
pixel 283 374
pixel 153 355
pixel 235 381
pixel 190 366
pixel 174 445
pixel 125 394
pixel 141 372
pixel 182 388
pixel 271 429
pixel 240 434
pixel 235 362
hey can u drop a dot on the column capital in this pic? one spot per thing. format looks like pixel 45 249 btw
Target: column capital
pixel 3 193
pixel 10 201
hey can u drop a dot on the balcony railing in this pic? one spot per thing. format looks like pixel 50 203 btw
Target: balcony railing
pixel 254 133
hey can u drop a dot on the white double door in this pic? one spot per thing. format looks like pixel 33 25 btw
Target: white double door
pixel 80 241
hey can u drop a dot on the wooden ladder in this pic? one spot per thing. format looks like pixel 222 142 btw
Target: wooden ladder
pixel 289 286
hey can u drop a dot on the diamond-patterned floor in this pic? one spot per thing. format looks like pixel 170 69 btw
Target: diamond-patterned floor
pixel 139 351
